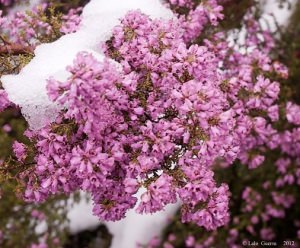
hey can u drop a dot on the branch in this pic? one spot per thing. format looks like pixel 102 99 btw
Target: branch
pixel 16 49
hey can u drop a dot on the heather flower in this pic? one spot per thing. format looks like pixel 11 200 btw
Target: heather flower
pixel 19 150
pixel 254 219
pixel 190 241
pixel 256 161
pixel 131 185
pixel 273 113
pixel 112 203
pixel 282 165
pixel 213 212
pixel 41 245
pixel 267 234
pixel 38 215
pixel 158 194
pixel 71 21
pixel 4 102
pixel 7 128
pixel 281 69
pixel 283 200
pixel 292 113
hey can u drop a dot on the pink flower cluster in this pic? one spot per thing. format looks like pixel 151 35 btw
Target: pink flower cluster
pixel 71 21
pixel 4 102
pixel 198 16
pixel 24 29
pixel 158 123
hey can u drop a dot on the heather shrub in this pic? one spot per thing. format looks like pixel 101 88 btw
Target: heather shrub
pixel 183 101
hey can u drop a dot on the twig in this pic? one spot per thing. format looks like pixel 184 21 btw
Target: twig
pixel 16 49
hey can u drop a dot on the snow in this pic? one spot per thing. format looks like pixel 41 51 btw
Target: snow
pixel 28 88
pixel 272 10
pixel 81 215
pixel 135 228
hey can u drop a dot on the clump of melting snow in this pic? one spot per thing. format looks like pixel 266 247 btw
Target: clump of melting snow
pixel 81 215
pixel 273 13
pixel 28 88
pixel 134 228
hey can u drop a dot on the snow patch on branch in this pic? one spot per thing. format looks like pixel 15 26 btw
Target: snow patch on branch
pixel 28 88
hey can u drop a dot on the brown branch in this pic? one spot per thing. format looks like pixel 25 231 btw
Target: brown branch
pixel 16 49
